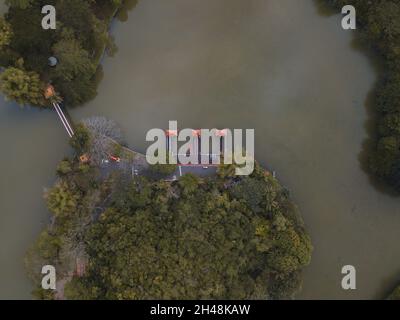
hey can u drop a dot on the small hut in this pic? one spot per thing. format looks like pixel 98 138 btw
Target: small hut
pixel 53 61
pixel 49 92
pixel 84 158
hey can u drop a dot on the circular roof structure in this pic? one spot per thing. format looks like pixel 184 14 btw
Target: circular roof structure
pixel 53 61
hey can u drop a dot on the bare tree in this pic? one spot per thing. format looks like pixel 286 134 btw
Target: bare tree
pixel 104 134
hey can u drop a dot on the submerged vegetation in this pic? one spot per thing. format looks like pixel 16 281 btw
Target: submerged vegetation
pixel 224 237
pixel 78 43
pixel 379 29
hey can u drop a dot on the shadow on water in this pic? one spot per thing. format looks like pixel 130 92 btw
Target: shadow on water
pixel 323 9
pixel 123 13
pixel 388 285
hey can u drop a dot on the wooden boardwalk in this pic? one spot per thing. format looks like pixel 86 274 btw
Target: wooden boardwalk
pixel 64 120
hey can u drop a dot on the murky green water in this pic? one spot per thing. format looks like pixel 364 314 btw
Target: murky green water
pixel 273 65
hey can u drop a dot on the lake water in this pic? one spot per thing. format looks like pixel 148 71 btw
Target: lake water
pixel 31 145
pixel 277 66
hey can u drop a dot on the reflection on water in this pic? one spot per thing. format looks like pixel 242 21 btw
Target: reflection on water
pixel 273 65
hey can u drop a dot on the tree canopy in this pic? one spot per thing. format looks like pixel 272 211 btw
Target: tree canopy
pixel 22 4
pixel 22 86
pixel 5 33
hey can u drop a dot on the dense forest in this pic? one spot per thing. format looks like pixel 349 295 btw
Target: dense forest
pixel 77 43
pixel 379 29
pixel 224 237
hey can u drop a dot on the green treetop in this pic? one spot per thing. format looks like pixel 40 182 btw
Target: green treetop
pixel 22 4
pixel 22 86
pixel 5 33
